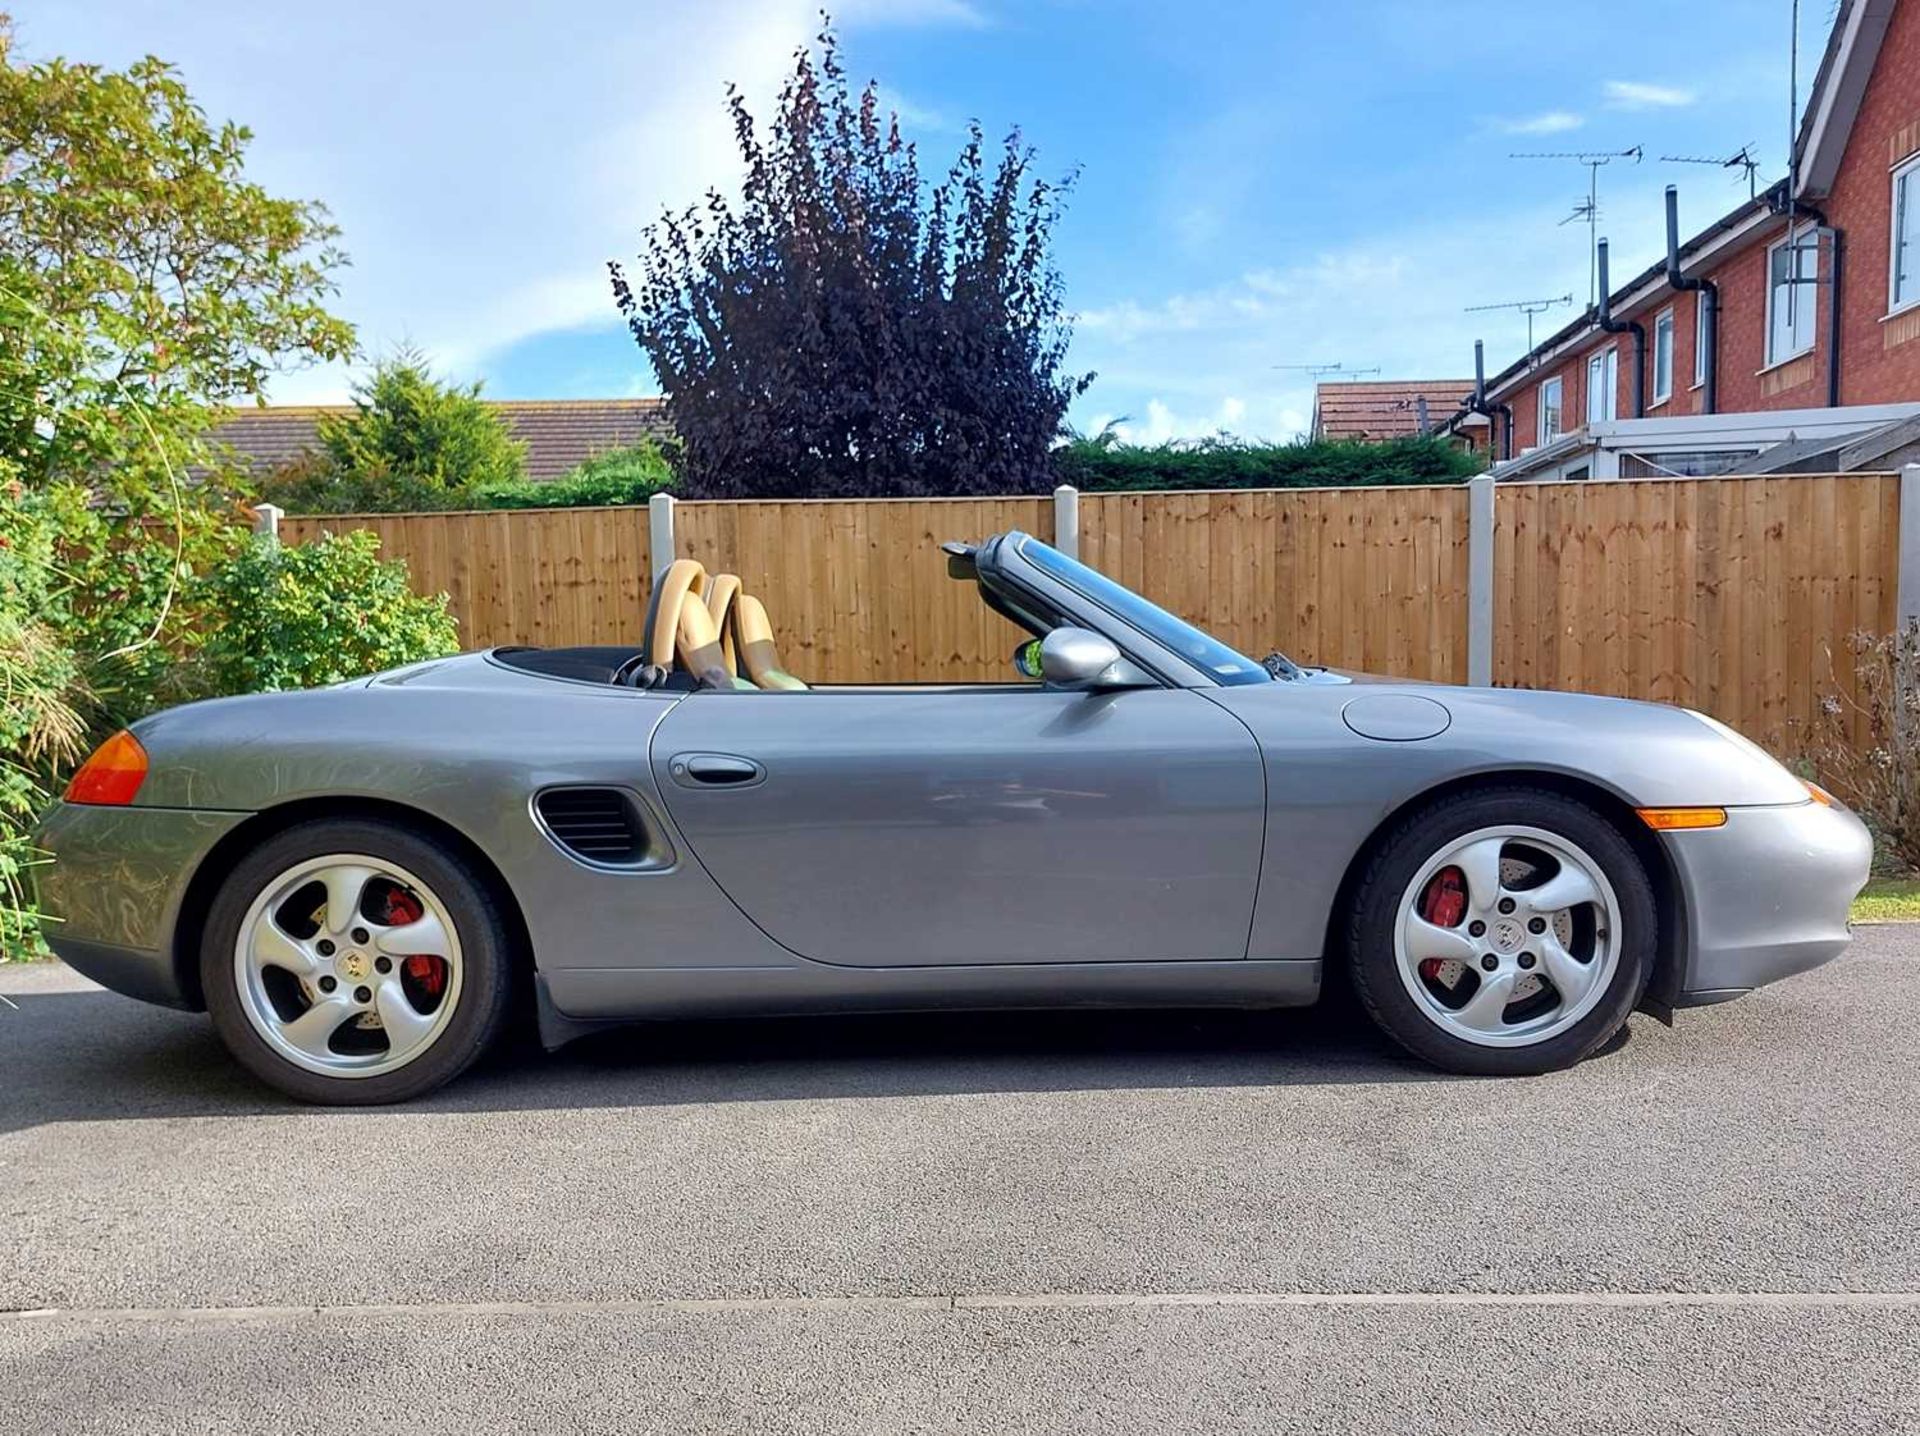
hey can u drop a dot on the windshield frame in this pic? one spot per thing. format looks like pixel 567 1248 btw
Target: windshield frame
pixel 1179 652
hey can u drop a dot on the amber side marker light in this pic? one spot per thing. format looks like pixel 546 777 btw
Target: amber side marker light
pixel 1819 794
pixel 1668 820
pixel 113 774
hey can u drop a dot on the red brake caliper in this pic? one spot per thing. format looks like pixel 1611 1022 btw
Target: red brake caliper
pixel 428 973
pixel 1443 904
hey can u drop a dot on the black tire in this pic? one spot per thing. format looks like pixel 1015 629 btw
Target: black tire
pixel 1370 955
pixel 486 952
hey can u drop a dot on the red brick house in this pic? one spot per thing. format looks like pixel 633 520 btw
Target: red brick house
pixel 1805 298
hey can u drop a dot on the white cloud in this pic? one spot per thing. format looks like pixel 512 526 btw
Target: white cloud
pixel 1638 95
pixel 1552 122
pixel 916 116
pixel 1159 423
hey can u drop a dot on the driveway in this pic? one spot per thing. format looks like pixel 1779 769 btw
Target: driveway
pixel 1228 1223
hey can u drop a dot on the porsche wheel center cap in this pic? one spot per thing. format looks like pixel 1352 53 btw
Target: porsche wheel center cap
pixel 354 966
pixel 1508 934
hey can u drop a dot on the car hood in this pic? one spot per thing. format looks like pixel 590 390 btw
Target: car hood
pixel 1653 754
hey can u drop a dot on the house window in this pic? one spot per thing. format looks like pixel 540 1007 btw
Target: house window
pixel 1701 340
pixel 1550 410
pixel 1603 386
pixel 1903 285
pixel 1663 357
pixel 1791 272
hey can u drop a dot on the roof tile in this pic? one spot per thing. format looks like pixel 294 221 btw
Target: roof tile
pixel 560 434
pixel 1383 409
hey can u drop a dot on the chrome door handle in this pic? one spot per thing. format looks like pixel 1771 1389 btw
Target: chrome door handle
pixel 715 770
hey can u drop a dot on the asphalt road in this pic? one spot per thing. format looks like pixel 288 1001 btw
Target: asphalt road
pixel 1218 1223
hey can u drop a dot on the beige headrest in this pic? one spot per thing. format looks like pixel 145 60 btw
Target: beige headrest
pixel 722 589
pixel 753 636
pixel 683 576
pixel 698 643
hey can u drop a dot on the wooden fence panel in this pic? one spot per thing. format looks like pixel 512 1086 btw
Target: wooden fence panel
pixel 857 590
pixel 1354 578
pixel 545 576
pixel 1734 596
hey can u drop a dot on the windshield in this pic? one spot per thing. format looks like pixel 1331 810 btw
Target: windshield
pixel 1203 650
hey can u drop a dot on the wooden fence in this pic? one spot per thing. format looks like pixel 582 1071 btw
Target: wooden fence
pixel 1736 596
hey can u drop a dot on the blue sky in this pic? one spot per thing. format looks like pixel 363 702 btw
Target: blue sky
pixel 1261 184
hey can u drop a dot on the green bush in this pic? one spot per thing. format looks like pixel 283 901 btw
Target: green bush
pixel 298 617
pixel 411 443
pixel 1104 463
pixel 40 727
pixel 619 476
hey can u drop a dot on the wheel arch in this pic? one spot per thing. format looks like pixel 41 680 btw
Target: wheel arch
pixel 1670 955
pixel 197 901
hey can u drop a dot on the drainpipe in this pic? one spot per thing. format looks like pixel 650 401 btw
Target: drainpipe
pixel 1709 296
pixel 1610 325
pixel 1499 417
pixel 1839 241
pixel 1836 247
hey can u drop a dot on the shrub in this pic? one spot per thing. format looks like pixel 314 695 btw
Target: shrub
pixel 297 617
pixel 411 443
pixel 619 476
pixel 1105 463
pixel 1867 747
pixel 40 727
pixel 146 283
pixel 841 330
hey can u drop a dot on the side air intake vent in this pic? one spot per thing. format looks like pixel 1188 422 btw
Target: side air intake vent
pixel 596 825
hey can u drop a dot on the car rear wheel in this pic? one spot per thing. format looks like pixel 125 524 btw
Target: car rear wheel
pixel 1503 932
pixel 354 963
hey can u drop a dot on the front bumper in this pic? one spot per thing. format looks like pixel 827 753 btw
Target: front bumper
pixel 110 898
pixel 1767 895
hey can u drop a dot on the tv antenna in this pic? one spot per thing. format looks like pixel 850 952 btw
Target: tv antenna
pixel 1321 371
pixel 1589 208
pixel 1741 158
pixel 1528 307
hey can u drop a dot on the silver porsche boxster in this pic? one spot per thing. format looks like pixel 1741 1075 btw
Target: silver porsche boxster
pixel 363 883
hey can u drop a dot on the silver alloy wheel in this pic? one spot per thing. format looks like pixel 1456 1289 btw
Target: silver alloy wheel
pixel 329 988
pixel 1533 948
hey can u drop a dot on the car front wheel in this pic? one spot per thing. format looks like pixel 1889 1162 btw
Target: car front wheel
pixel 355 962
pixel 1503 932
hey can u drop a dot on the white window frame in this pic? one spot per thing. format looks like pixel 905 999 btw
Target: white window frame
pixel 1809 240
pixel 1663 321
pixel 1549 432
pixel 1608 389
pixel 1699 338
pixel 1907 172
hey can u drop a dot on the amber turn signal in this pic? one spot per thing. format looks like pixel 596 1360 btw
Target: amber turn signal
pixel 113 774
pixel 1667 820
pixel 1819 794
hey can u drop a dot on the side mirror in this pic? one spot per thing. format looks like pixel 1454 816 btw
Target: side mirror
pixel 1076 658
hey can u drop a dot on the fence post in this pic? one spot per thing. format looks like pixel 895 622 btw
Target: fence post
pixel 266 521
pixel 660 533
pixel 1066 520
pixel 1480 580
pixel 1907 589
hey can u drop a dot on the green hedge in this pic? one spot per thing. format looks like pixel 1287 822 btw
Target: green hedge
pixel 620 476
pixel 1097 464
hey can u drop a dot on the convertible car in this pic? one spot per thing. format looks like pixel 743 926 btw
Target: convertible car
pixel 362 883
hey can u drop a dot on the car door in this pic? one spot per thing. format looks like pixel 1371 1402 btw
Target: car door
pixel 1016 824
